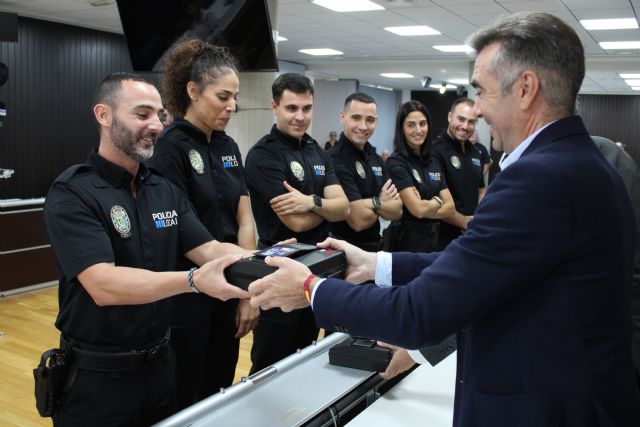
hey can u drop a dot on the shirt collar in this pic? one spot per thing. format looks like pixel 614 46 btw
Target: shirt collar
pixel 288 139
pixel 515 154
pixel 349 145
pixel 116 175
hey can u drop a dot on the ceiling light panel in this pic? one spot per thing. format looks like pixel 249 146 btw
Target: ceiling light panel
pixel 321 52
pixel 620 45
pixel 348 5
pixel 454 48
pixel 416 30
pixel 630 76
pixel 609 24
pixel 397 75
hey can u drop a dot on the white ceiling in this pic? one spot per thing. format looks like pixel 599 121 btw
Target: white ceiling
pixel 370 50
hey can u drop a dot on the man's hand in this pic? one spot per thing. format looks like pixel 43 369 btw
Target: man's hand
pixel 388 191
pixel 361 265
pixel 282 288
pixel 400 362
pixel 246 318
pixel 293 202
pixel 209 279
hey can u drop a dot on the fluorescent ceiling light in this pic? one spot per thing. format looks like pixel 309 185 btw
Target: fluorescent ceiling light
pixel 438 86
pixel 620 45
pixel 348 5
pixel 636 88
pixel 417 30
pixel 459 81
pixel 630 76
pixel 282 39
pixel 609 24
pixel 454 48
pixel 397 75
pixel 633 82
pixel 321 52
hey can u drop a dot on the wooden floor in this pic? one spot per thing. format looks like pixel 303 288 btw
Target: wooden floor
pixel 26 330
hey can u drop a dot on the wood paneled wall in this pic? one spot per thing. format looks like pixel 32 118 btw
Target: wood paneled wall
pixel 53 71
pixel 616 117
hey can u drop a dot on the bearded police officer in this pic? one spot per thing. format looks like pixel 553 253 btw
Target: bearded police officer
pixel 117 230
pixel 462 166
pixel 363 176
pixel 294 192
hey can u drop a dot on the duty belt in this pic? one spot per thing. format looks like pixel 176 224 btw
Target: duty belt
pixel 418 227
pixel 133 360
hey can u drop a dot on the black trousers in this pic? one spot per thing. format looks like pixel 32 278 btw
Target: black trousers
pixel 447 233
pixel 280 334
pixel 131 398
pixel 412 241
pixel 206 350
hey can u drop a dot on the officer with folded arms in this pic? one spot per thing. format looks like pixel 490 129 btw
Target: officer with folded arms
pixel 117 230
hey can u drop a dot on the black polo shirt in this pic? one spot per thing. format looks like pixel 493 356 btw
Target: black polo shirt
pixel 485 158
pixel 279 157
pixel 362 173
pixel 426 175
pixel 91 217
pixel 211 175
pixel 463 171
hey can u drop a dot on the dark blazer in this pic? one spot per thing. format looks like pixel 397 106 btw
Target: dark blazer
pixel 538 289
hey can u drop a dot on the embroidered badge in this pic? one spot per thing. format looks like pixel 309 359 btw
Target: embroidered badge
pixel 196 161
pixel 455 162
pixel 121 221
pixel 297 169
pixel 360 170
pixel 417 177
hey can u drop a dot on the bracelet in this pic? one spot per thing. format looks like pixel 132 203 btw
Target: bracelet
pixel 307 293
pixel 438 199
pixel 192 284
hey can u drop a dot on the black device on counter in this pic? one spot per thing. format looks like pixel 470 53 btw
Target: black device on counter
pixel 360 353
pixel 321 262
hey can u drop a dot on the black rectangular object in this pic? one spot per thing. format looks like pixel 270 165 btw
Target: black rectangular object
pixel 8 27
pixel 243 26
pixel 360 353
pixel 321 262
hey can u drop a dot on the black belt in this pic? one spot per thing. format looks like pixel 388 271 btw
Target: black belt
pixel 418 227
pixel 133 360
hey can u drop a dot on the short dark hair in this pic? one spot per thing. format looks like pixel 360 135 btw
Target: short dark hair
pixel 360 97
pixel 108 90
pixel 400 142
pixel 296 83
pixel 459 101
pixel 541 42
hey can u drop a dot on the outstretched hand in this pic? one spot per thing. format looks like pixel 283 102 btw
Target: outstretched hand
pixel 282 288
pixel 361 265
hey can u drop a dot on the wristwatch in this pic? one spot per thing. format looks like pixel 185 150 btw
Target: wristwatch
pixel 317 201
pixel 376 203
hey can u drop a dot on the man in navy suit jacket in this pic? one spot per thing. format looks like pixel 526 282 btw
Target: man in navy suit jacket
pixel 538 288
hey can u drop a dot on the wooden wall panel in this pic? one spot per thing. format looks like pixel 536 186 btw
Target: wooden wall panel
pixel 53 71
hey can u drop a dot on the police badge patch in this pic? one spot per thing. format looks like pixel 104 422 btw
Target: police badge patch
pixel 196 161
pixel 297 169
pixel 121 221
pixel 416 176
pixel 455 162
pixel 360 170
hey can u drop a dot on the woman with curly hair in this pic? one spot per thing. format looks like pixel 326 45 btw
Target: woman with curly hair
pixel 200 88
pixel 419 178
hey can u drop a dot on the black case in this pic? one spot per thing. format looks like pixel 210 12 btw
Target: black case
pixel 321 262
pixel 360 353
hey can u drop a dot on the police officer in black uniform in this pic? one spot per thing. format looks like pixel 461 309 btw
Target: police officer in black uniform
pixel 420 179
pixel 116 230
pixel 363 176
pixel 294 192
pixel 200 83
pixel 463 168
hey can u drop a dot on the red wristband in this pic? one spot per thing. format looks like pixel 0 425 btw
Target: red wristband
pixel 307 292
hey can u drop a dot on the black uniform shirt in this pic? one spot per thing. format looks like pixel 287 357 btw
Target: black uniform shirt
pixel 362 174
pixel 485 158
pixel 279 157
pixel 463 171
pixel 92 217
pixel 426 175
pixel 209 174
